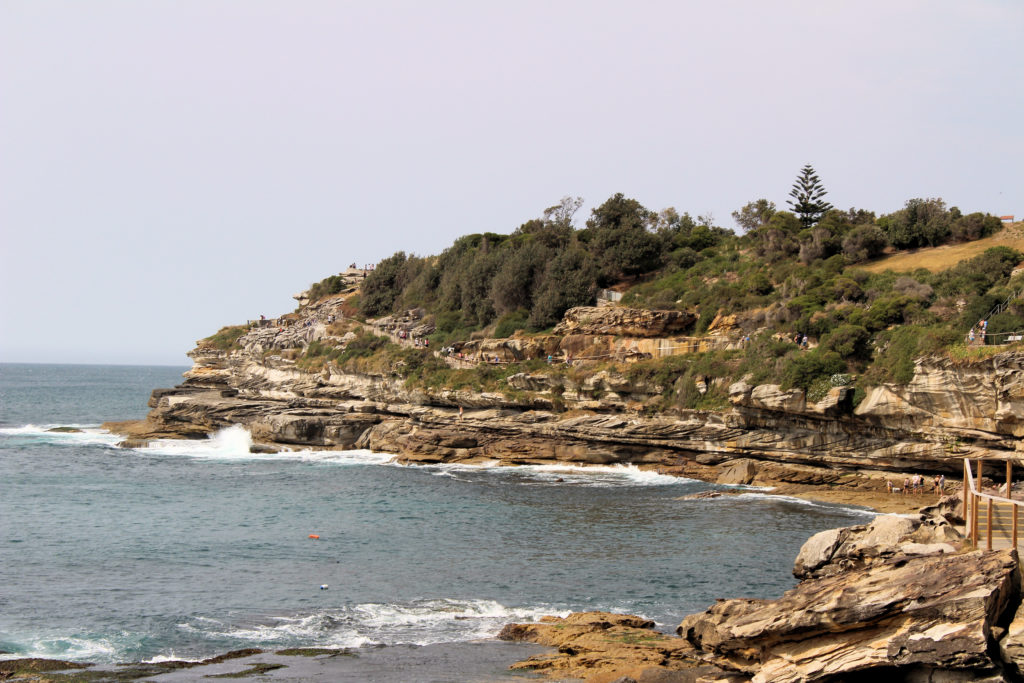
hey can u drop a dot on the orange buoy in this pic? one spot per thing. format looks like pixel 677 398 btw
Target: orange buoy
pixel 315 537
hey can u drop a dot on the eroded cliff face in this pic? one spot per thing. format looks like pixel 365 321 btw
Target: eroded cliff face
pixel 946 412
pixel 983 399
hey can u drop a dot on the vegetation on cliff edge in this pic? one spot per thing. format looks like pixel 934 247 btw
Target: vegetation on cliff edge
pixel 788 275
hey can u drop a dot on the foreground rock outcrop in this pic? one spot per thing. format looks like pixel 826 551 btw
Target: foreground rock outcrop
pixel 903 618
pixel 894 600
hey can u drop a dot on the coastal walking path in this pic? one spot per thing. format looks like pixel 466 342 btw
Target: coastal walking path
pixel 994 515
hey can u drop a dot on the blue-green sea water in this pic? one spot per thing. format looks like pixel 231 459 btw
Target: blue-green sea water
pixel 188 549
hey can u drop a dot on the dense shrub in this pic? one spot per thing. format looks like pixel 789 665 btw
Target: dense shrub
pixel 509 323
pixel 863 243
pixel 382 286
pixel 974 226
pixel 331 284
pixel 802 368
pixel 848 341
pixel 227 337
pixel 921 222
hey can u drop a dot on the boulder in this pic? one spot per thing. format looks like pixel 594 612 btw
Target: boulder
pixel 739 393
pixel 772 397
pixel 950 508
pixel 836 550
pixel 901 617
pixel 741 471
pixel 626 322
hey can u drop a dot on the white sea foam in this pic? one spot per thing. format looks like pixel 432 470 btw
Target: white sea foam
pixel 568 473
pixel 73 648
pixel 231 443
pixel 87 434
pixel 808 503
pixel 169 656
pixel 421 622
pixel 234 443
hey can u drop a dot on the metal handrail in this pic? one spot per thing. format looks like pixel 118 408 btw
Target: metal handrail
pixel 972 495
pixel 999 308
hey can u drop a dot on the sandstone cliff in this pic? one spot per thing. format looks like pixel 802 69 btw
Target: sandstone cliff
pixel 602 416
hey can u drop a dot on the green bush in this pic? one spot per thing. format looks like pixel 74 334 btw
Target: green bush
pixel 509 323
pixel 226 338
pixel 848 341
pixel 804 367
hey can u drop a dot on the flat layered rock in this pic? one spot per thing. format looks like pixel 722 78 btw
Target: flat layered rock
pixel 910 614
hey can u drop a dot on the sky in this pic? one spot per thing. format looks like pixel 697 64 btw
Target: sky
pixel 168 168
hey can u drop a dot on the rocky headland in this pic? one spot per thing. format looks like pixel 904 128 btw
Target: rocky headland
pixel 593 413
pixel 902 598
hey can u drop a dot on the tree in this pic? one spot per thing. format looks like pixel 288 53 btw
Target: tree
pixel 617 236
pixel 921 222
pixel 382 286
pixel 777 239
pixel 754 214
pixel 563 212
pixel 569 280
pixel 864 242
pixel 808 195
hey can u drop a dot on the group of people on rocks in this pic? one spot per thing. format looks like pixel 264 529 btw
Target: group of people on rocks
pixel 916 483
pixel 418 342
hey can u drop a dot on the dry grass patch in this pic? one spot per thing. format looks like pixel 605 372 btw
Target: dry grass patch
pixel 946 256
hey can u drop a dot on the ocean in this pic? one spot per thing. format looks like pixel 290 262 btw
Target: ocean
pixel 189 549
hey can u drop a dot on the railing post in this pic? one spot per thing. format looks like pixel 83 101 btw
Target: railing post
pixel 1014 525
pixel 1009 473
pixel 967 478
pixel 974 521
pixel 988 535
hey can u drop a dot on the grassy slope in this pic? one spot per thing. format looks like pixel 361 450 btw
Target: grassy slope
pixel 947 256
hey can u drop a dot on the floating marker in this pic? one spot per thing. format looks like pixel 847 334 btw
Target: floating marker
pixel 315 537
pixel 323 586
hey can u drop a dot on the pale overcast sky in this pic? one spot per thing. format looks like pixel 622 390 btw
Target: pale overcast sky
pixel 167 168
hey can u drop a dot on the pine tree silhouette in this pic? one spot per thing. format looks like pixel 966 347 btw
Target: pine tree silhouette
pixel 808 197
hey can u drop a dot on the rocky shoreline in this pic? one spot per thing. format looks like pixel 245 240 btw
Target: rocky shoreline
pixel 477 661
pixel 898 598
pixel 765 436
